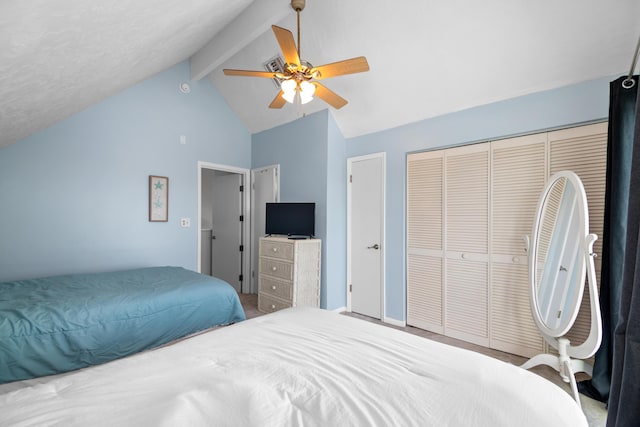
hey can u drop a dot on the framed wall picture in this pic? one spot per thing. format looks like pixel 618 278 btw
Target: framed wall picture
pixel 158 198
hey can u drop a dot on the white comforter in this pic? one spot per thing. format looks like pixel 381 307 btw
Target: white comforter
pixel 297 367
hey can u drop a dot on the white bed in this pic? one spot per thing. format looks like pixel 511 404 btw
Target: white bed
pixel 295 367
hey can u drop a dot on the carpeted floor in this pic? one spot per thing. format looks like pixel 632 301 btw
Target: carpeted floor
pixel 595 411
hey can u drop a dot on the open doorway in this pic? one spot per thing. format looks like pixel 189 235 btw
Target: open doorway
pixel 224 242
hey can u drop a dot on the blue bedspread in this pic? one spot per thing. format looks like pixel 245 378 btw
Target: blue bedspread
pixel 58 324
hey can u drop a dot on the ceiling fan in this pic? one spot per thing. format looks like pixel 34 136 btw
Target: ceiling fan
pixel 298 80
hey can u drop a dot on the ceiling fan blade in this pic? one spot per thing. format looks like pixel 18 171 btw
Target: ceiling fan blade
pixel 330 97
pixel 287 45
pixel 247 73
pixel 278 101
pixel 348 66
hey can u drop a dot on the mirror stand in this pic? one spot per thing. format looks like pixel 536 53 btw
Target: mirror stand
pixel 569 360
pixel 563 363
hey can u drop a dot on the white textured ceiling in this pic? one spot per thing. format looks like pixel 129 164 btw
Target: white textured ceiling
pixel 58 57
pixel 427 58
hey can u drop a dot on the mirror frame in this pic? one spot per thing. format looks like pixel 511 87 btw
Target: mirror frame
pixel 570 358
pixel 583 217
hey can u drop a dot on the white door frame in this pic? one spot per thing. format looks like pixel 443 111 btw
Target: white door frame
pixel 246 212
pixel 255 233
pixel 383 232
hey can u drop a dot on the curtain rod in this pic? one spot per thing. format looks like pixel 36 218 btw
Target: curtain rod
pixel 628 83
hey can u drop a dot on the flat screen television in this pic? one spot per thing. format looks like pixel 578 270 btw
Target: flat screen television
pixel 291 219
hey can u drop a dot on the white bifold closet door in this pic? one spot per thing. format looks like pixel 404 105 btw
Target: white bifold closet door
pixel 468 210
pixel 467 243
pixel 584 150
pixel 425 250
pixel 448 201
pixel 518 169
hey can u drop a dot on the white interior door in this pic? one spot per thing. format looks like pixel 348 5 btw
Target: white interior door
pixel 366 234
pixel 226 257
pixel 265 184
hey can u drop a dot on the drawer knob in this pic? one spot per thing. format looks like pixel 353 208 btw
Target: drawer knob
pixel 275 249
pixel 273 287
pixel 274 268
pixel 516 259
pixel 463 256
pixel 273 306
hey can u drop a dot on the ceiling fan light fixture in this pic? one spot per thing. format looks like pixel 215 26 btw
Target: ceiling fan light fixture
pixel 288 86
pixel 289 96
pixel 289 90
pixel 304 99
pixel 307 90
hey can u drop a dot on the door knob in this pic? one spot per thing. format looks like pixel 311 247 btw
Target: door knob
pixel 376 246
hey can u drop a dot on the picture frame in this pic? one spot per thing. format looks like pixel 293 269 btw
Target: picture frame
pixel 158 198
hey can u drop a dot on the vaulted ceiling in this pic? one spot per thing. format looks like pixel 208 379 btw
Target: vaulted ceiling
pixel 427 58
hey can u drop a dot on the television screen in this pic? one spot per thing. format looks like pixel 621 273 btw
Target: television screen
pixel 291 219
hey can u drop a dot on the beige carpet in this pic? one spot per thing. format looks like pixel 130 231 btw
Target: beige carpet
pixel 595 411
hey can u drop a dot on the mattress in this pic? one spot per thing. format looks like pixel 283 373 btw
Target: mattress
pixel 58 324
pixel 297 367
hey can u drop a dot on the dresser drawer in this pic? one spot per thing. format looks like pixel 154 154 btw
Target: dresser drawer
pixel 267 304
pixel 275 249
pixel 276 288
pixel 274 268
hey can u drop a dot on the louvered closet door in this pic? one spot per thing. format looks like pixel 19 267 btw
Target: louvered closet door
pixel 425 240
pixel 584 151
pixel 518 167
pixel 466 243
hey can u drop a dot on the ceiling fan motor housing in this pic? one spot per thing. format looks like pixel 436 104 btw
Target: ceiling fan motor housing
pixel 298 5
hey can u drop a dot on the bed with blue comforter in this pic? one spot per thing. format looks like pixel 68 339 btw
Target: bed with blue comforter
pixel 58 324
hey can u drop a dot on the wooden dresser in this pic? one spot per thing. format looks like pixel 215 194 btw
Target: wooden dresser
pixel 289 273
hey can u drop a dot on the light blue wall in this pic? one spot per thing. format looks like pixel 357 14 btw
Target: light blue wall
pixel 74 197
pixel 300 147
pixel 310 152
pixel 527 114
pixel 336 242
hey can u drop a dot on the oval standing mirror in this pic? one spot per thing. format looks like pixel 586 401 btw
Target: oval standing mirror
pixel 561 256
pixel 559 264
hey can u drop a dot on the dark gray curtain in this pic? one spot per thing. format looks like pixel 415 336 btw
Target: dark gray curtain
pixel 624 398
pixel 622 122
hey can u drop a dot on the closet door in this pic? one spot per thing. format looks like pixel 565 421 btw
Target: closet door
pixel 468 209
pixel 584 150
pixel 467 243
pixel 425 253
pixel 518 168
